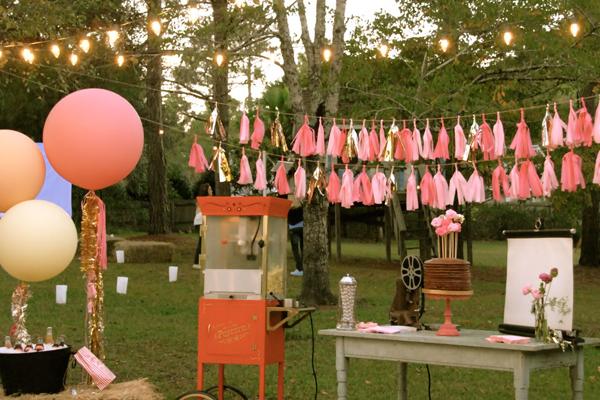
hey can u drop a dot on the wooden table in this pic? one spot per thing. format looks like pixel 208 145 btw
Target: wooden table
pixel 470 350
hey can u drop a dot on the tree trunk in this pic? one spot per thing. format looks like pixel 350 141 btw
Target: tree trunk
pixel 339 29
pixel 315 285
pixel 590 226
pixel 157 166
pixel 221 78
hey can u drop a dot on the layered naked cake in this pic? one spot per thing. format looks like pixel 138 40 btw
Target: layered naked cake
pixel 444 275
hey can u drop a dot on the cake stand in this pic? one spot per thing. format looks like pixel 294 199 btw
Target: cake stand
pixel 447 328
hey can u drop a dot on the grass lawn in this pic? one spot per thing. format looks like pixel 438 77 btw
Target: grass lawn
pixel 151 331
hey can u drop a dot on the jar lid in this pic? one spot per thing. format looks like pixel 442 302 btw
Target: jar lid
pixel 348 279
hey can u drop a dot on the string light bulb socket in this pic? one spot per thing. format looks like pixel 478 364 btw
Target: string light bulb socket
pixel 156 27
pixel 327 54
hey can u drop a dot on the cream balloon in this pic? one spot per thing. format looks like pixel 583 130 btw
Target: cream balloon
pixel 38 240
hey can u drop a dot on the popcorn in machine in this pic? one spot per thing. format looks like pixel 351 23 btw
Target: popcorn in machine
pixel 242 315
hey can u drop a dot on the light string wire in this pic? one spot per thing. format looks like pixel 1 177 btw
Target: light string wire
pixel 397 164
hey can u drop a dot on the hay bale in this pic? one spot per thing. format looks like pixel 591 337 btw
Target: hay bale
pixel 146 251
pixel 140 389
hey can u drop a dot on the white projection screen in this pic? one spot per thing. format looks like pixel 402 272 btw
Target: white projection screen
pixel 529 254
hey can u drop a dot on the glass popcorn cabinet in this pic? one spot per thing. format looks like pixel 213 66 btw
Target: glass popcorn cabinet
pixel 243 314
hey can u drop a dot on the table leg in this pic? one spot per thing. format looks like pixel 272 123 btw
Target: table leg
pixel 402 381
pixel 341 365
pixel 521 379
pixel 577 376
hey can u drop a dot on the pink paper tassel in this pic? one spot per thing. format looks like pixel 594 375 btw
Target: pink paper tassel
pixel 514 182
pixel 300 182
pixel 573 139
pixel 549 180
pixel 197 158
pixel 441 190
pixel 596 127
pixel 362 190
pixel 535 184
pixel 363 143
pixel 244 129
pixel 333 186
pixel 557 131
pixel 320 148
pixel 333 144
pixel 488 145
pixel 417 145
pixel 407 144
pixel 571 174
pixel 500 181
pixel 521 143
pixel 475 188
pixel 281 183
pixel 460 142
pixel 342 139
pixel 258 133
pixel 400 151
pixel 427 188
pixel 346 197
pixel 412 199
pixel 427 153
pixel 441 147
pixel 596 179
pixel 584 124
pixel 245 173
pixel 498 137
pixel 304 142
pixel 382 139
pixel 379 186
pixel 457 188
pixel 373 144
pixel 261 175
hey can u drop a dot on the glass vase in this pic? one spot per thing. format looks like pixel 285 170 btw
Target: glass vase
pixel 542 332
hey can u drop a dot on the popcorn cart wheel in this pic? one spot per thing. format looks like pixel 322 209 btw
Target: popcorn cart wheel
pixel 212 393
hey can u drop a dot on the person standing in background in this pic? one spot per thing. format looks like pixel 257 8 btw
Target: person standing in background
pixel 296 228
pixel 203 190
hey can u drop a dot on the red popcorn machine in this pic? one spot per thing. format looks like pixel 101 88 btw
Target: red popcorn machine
pixel 242 315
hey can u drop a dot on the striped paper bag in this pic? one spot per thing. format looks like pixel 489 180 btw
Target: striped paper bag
pixel 101 375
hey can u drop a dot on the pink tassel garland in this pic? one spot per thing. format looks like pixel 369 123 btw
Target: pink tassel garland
pixel 427 153
pixel 427 188
pixel 258 133
pixel 245 173
pixel 441 190
pixel 304 141
pixel 521 143
pixel 244 129
pixel 498 137
pixel 300 182
pixel 571 174
pixel 549 180
pixel 441 147
pixel 557 131
pixel 460 141
pixel 379 186
pixel 457 188
pixel 412 199
pixel 346 196
pixel 320 148
pixel 281 183
pixel 261 174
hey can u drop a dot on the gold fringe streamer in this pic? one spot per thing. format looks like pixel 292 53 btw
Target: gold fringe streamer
pixel 18 309
pixel 90 266
pixel 317 181
pixel 277 135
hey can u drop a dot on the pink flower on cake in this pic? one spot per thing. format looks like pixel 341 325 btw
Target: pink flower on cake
pixel 441 231
pixel 450 213
pixel 454 227
pixel 437 221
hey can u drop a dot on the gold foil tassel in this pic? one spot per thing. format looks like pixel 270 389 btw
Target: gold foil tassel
pixel 546 127
pixel 224 170
pixel 351 145
pixel 277 135
pixel 317 181
pixel 18 309
pixel 222 132
pixel 90 266
pixel 388 150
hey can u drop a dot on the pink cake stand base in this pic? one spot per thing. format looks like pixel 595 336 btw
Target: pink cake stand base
pixel 447 328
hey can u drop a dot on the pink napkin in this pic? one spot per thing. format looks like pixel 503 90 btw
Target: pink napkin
pixel 510 339
pixel 101 375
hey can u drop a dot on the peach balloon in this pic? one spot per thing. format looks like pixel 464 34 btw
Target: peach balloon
pixel 22 169
pixel 38 240
pixel 93 138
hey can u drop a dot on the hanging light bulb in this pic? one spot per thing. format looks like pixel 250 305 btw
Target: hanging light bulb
pixel 194 14
pixel 73 59
pixel 55 50
pixel 112 36
pixel 84 45
pixel 120 60
pixel 156 27
pixel 219 58
pixel 574 28
pixel 444 44
pixel 1 53
pixel 327 54
pixel 27 55
pixel 384 50
pixel 508 37
pixel 161 131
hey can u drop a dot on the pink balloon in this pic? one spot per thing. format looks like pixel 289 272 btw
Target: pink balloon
pixel 93 138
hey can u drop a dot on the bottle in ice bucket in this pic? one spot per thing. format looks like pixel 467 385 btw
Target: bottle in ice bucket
pixel 28 347
pixel 18 346
pixel 39 346
pixel 347 304
pixel 49 339
pixel 7 342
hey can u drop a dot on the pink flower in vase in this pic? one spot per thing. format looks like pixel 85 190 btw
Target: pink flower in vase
pixel 536 294
pixel 441 231
pixel 437 221
pixel 546 278
pixel 527 289
pixel 454 227
pixel 450 213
